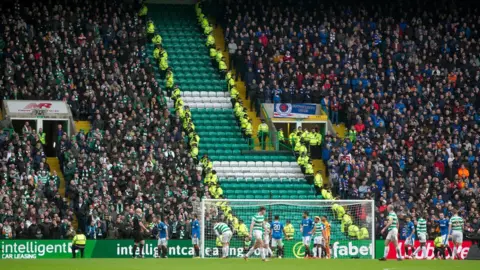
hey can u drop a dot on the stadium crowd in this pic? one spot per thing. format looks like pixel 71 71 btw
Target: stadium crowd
pixel 404 75
pixel 91 54
pixel 406 79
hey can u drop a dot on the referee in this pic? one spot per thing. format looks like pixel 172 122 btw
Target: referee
pixel 78 243
pixel 138 230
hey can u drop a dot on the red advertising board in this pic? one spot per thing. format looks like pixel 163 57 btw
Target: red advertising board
pixel 430 248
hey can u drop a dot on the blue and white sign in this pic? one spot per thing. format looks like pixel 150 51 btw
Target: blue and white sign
pixel 288 110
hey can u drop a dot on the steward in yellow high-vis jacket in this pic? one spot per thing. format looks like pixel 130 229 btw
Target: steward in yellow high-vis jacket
pixel 78 243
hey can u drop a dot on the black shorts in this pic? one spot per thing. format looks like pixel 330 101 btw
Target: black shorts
pixel 137 236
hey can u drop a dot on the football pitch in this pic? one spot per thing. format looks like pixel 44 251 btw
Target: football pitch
pixel 233 264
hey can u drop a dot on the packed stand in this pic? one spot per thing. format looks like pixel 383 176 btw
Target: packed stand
pixel 404 77
pixel 92 55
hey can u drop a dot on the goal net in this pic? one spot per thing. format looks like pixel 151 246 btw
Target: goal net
pixel 351 233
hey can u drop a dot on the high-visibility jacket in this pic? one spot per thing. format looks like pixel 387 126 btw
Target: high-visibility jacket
pixel 289 231
pixel 293 138
pixel 237 109
pixel 150 28
pixel 204 161
pixel 280 136
pixel 231 83
pixel 338 210
pixel 210 40
pixel 163 54
pixel 248 129
pixel 243 122
pixel 346 221
pixel 207 30
pixel 176 93
pixel 327 195
pixel 309 169
pixel 263 127
pixel 303 149
pixel 305 137
pixel 318 137
pixel 300 160
pixel 312 138
pixel 79 239
pixel 198 9
pixel 318 181
pixel 222 65
pixel 156 53
pixel 234 93
pixel 169 82
pixel 194 152
pixel 352 135
pixel 204 23
pixel 213 52
pixel 163 64
pixel 157 39
pixel 143 11
pixel 297 147
pixel 363 233
pixel 438 241
pixel 219 56
pixel 42 138
pixel 179 103
pixel 353 231
pixel 242 230
pixel 228 76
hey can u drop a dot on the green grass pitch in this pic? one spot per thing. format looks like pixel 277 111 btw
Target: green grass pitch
pixel 233 264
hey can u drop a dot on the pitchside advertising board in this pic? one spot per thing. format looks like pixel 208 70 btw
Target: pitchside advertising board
pixel 50 249
pixel 379 247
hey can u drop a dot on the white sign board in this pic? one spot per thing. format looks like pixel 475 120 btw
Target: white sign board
pixel 30 106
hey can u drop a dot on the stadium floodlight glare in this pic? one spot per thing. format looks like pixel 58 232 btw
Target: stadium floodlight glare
pixel 352 224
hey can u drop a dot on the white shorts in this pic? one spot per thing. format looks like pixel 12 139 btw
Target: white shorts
pixel 226 236
pixel 457 237
pixel 410 241
pixel 258 234
pixel 195 241
pixel 306 240
pixel 392 235
pixel 277 242
pixel 162 242
pixel 422 237
pixel 445 239
pixel 318 240
pixel 266 240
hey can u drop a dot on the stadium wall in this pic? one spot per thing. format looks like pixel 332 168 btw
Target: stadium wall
pixel 58 249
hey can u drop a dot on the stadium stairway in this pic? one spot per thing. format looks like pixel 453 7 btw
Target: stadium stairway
pixel 220 44
pixel 54 165
pixel 341 130
pixel 82 125
pixel 318 164
pixel 205 92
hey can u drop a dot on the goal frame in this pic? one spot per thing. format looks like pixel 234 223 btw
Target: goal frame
pixel 204 201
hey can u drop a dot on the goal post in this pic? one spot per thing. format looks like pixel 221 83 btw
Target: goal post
pixel 352 224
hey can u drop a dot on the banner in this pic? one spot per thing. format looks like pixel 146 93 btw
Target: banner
pixel 295 249
pixel 29 106
pixel 379 247
pixel 57 249
pixel 53 249
pixel 288 110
